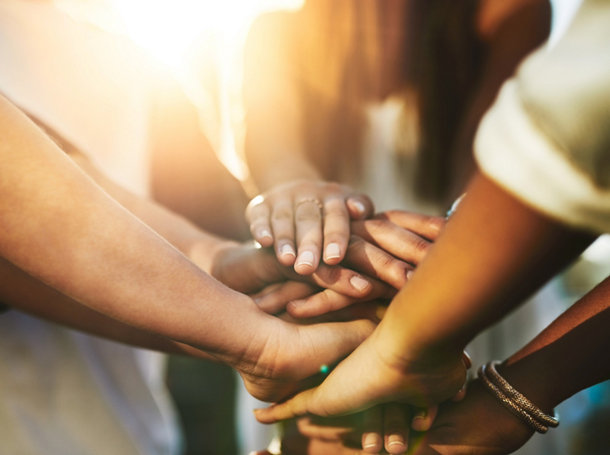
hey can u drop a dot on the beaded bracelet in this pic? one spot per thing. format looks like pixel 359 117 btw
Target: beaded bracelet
pixel 514 401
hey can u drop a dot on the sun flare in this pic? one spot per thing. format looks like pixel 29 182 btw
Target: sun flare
pixel 188 35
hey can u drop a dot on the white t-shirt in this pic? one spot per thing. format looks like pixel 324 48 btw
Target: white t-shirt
pixel 63 392
pixel 546 140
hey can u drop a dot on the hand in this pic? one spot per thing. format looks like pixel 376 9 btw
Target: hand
pixel 378 428
pixel 360 433
pixel 477 425
pixel 249 270
pixel 302 218
pixel 288 357
pixel 387 247
pixel 382 377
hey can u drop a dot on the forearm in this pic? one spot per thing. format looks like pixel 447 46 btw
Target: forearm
pixel 20 290
pixel 198 245
pixel 59 227
pixel 493 253
pixel 569 354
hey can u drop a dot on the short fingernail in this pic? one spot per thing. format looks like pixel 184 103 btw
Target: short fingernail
pixel 264 232
pixel 359 283
pixel 295 304
pixel 333 251
pixel 396 444
pixel 305 258
pixel 409 274
pixel 359 206
pixel 287 250
pixel 371 441
pixel 420 414
pixel 418 420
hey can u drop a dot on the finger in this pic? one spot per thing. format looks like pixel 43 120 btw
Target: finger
pixel 295 406
pixel 343 280
pixel 425 225
pixel 336 230
pixel 257 214
pixel 397 241
pixel 372 427
pixel 424 418
pixel 274 298
pixel 372 310
pixel 359 206
pixel 326 429
pixel 308 226
pixel 329 301
pixel 461 394
pixel 395 428
pixel 376 262
pixel 282 224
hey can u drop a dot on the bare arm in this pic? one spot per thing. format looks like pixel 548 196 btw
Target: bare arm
pixel 492 254
pixel 60 228
pixel 563 359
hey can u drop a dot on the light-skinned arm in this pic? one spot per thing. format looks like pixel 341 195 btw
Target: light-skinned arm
pixel 494 252
pixel 59 227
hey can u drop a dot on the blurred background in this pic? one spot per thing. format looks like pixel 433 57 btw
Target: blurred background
pixel 383 95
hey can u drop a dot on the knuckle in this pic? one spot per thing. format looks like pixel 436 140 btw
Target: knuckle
pixel 307 214
pixel 334 187
pixel 421 247
pixel 435 224
pixel 329 275
pixel 282 213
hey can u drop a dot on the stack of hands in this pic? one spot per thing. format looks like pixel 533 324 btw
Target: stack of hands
pixel 337 262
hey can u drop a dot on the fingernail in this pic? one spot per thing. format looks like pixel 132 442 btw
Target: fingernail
pixel 396 444
pixel 333 251
pixel 418 421
pixel 359 206
pixel 263 233
pixel 359 283
pixel 420 414
pixel 371 441
pixel 295 304
pixel 305 258
pixel 287 250
pixel 409 274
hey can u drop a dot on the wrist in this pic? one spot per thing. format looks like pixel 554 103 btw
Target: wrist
pixel 533 382
pixel 245 337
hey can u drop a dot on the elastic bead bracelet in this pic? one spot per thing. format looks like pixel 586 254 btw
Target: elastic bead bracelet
pixel 505 393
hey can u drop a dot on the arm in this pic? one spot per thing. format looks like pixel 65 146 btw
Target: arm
pixel 493 253
pixel 286 213
pixel 241 267
pixel 60 228
pixel 567 354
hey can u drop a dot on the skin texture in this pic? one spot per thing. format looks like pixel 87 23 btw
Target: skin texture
pixel 61 229
pixel 302 218
pixel 566 354
pixel 149 294
pixel 414 355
